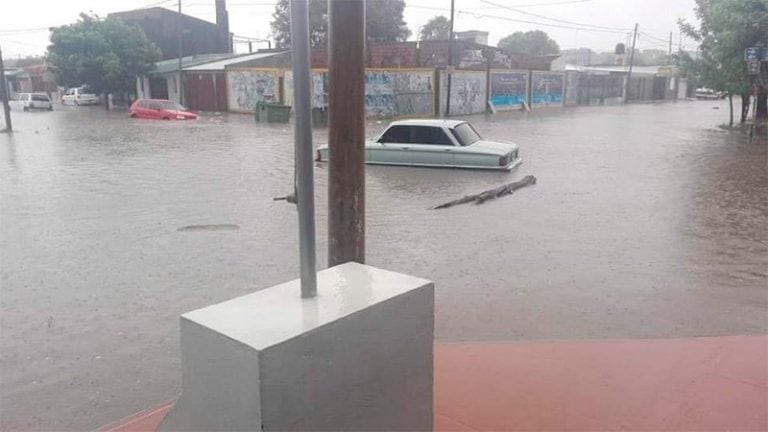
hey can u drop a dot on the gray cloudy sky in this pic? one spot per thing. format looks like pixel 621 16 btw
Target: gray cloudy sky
pixel 596 24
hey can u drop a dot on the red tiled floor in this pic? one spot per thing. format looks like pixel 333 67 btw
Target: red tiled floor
pixel 718 383
pixel 596 385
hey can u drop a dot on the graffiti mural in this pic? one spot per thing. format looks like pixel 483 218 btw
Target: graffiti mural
pixel 414 93
pixel 379 94
pixel 547 89
pixel 245 88
pixel 319 88
pixel 509 90
pixel 467 92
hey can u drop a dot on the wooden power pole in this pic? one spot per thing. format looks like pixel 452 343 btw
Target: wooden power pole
pixel 4 95
pixel 346 132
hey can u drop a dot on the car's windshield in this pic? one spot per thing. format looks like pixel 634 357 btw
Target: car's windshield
pixel 173 106
pixel 466 134
pixel 85 90
pixel 40 98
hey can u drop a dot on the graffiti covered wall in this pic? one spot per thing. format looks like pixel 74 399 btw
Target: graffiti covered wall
pixel 467 92
pixel 547 89
pixel 399 93
pixel 319 88
pixel 388 93
pixel 246 87
pixel 509 90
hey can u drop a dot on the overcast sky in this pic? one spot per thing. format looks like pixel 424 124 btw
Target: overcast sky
pixel 596 24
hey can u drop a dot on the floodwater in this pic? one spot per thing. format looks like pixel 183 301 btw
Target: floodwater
pixel 647 221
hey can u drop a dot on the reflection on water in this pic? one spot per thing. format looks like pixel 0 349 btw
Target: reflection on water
pixel 645 222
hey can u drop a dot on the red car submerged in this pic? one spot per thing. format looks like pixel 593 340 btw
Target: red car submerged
pixel 160 109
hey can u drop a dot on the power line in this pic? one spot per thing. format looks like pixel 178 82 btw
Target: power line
pixel 27 30
pixel 552 19
pixel 503 18
pixel 156 4
pixel 655 38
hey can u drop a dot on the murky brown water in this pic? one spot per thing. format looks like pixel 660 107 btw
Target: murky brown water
pixel 646 221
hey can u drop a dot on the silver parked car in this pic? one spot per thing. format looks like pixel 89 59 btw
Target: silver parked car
pixel 436 143
pixel 79 96
pixel 30 101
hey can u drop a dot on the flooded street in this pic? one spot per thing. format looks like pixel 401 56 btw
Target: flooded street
pixel 647 221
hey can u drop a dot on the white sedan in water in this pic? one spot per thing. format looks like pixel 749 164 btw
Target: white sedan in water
pixel 436 143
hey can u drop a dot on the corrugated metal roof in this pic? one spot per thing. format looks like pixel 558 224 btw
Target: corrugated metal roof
pixel 172 65
pixel 221 64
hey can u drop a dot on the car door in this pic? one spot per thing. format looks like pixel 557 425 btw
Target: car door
pixel 431 146
pixel 67 98
pixel 393 147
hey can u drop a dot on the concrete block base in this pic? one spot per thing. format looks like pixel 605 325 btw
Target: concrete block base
pixel 358 357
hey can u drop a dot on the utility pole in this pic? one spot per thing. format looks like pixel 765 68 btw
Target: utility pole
pixel 180 30
pixel 631 63
pixel 4 95
pixel 670 47
pixel 346 132
pixel 302 107
pixel 450 65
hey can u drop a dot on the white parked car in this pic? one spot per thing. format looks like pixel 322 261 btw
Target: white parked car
pixel 79 96
pixel 30 101
pixel 436 143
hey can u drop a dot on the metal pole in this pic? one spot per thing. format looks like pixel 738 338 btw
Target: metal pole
pixel 180 34
pixel 346 132
pixel 450 66
pixel 631 63
pixel 4 95
pixel 302 107
pixel 670 47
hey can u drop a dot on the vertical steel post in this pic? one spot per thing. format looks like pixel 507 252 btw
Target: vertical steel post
pixel 346 132
pixel 4 95
pixel 180 32
pixel 302 108
pixel 450 66
pixel 631 64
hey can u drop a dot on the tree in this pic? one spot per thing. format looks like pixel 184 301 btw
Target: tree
pixel 437 28
pixel 107 54
pixel 725 29
pixel 383 22
pixel 533 43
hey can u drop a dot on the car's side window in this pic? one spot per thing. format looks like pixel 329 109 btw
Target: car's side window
pixel 431 136
pixel 143 104
pixel 397 134
pixel 154 105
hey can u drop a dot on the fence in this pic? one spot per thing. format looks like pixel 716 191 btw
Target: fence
pixel 399 93
pixel 389 93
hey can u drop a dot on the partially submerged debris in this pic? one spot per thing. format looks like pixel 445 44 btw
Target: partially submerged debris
pixel 213 227
pixel 490 194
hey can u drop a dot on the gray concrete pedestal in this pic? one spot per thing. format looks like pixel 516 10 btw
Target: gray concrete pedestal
pixel 356 357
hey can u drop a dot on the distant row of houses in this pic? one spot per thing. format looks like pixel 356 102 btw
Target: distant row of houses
pixel 402 78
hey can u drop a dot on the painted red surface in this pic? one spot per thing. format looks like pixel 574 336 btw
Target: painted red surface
pixel 718 383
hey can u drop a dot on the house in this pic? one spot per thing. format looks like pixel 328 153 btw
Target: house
pixel 198 36
pixel 204 79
